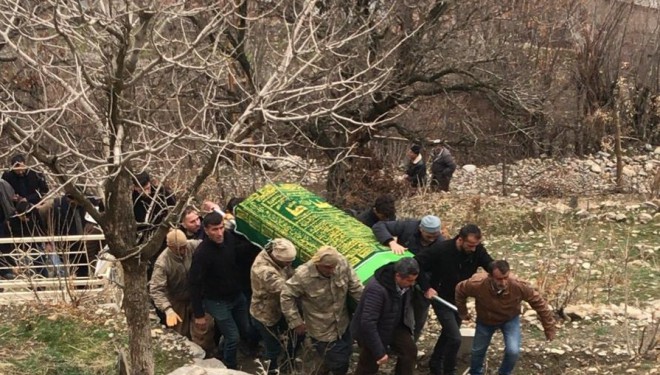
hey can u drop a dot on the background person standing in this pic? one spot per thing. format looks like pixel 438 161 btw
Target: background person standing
pixel 28 185
pixel 442 168
pixel 416 169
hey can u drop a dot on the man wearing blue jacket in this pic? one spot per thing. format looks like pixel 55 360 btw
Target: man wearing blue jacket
pixel 384 319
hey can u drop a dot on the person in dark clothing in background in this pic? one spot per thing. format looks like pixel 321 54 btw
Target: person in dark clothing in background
pixel 415 236
pixel 384 319
pixel 65 217
pixel 384 209
pixel 150 202
pixel 449 263
pixel 215 288
pixel 28 185
pixel 442 168
pixel 416 170
pixel 7 210
pixel 151 205
pixel 28 223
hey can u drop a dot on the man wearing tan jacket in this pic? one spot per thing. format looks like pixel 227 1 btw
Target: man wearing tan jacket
pixel 169 289
pixel 498 295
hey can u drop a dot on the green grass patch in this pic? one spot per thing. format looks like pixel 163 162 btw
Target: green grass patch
pixel 37 343
pixel 602 330
pixel 42 345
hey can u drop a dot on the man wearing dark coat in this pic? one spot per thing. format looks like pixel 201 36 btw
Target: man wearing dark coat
pixel 449 263
pixel 384 209
pixel 28 185
pixel 416 170
pixel 384 319
pixel 414 236
pixel 442 168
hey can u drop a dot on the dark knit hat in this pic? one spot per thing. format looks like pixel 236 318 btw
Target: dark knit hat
pixel 18 158
pixel 416 149
pixel 142 178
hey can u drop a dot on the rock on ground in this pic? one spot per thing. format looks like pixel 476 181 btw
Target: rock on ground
pixel 206 367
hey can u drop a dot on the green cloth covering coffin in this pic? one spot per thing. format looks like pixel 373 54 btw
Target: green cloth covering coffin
pixel 292 212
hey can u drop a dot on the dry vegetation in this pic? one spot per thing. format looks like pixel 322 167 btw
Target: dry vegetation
pixel 96 91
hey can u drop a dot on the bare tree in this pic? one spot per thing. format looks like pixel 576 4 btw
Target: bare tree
pixel 99 91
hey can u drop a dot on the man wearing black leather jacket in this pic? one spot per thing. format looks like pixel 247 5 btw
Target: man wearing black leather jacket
pixel 449 263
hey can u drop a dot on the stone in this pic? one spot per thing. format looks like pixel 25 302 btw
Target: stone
pixel 278 163
pixel 195 350
pixel 628 171
pixel 562 208
pixel 610 216
pixel 603 154
pixel 657 150
pixel 577 312
pixel 197 370
pixel 206 367
pixel 469 168
pixel 595 168
pixel 620 217
pixel 644 218
pixel 467 337
pixel 582 213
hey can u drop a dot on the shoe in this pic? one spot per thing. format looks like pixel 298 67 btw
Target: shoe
pixel 219 355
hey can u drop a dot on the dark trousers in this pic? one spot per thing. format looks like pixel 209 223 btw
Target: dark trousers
pixel 420 306
pixel 440 183
pixel 252 335
pixel 231 317
pixel 402 345
pixel 336 354
pixel 443 359
pixel 271 336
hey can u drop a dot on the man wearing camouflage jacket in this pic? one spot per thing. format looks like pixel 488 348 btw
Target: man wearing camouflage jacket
pixel 269 272
pixel 323 285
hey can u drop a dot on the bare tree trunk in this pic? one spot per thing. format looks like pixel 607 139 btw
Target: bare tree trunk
pixel 617 151
pixel 136 307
